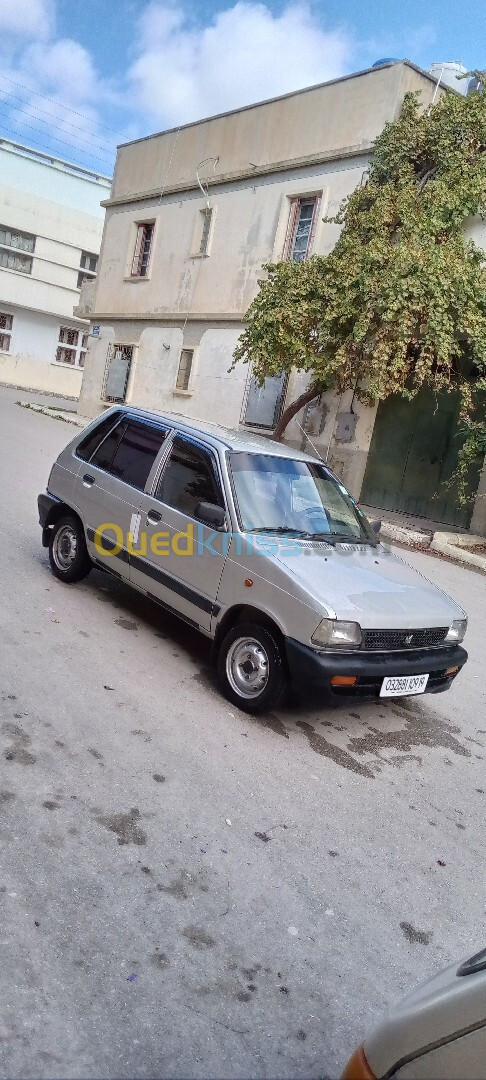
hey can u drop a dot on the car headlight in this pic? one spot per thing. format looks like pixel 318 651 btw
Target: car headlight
pixel 337 635
pixel 456 632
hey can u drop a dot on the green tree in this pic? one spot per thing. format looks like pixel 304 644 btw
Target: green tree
pixel 400 302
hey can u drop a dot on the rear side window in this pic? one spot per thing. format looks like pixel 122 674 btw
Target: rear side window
pixel 136 452
pixel 103 456
pixel 86 448
pixel 188 479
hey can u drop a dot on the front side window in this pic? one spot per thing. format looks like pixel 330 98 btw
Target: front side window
pixel 13 245
pixel 6 323
pixel 283 495
pixel 143 244
pixel 72 347
pixel 117 372
pixel 301 229
pixel 129 451
pixel 189 478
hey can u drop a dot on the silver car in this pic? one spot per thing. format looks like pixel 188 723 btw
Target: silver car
pixel 260 548
pixel 438 1032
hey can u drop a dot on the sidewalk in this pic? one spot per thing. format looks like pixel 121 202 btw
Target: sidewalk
pixel 425 535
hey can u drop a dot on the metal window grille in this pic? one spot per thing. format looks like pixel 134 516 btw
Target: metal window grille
pixel 68 336
pixel 117 372
pixel 65 356
pixel 142 249
pixel 13 238
pixel 301 228
pixel 207 215
pixel 6 320
pixel 184 370
pixel 5 342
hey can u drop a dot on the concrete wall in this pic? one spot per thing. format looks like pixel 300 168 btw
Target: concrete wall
pixel 308 124
pixel 30 362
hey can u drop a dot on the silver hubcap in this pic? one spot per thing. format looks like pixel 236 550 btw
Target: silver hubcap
pixel 64 547
pixel 247 667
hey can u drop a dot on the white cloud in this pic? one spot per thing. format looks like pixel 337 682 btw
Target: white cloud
pixel 184 72
pixel 26 18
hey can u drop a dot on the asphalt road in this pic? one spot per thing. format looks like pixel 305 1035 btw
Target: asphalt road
pixel 188 892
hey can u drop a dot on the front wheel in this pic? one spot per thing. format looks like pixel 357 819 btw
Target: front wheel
pixel 68 554
pixel 251 668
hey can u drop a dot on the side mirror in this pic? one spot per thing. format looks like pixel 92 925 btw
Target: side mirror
pixel 210 514
pixel 376 526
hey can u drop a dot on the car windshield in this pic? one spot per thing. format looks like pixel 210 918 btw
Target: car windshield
pixel 290 497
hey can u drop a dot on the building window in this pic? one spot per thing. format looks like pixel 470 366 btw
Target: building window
pixel 72 347
pixel 13 244
pixel 300 232
pixel 184 370
pixel 264 403
pixel 143 244
pixel 117 371
pixel 88 264
pixel 206 218
pixel 6 322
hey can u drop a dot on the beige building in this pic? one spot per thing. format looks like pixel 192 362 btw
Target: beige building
pixel 51 223
pixel 193 214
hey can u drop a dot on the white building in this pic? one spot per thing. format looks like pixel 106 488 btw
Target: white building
pixel 51 224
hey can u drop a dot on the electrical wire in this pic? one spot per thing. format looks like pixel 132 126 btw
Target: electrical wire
pixel 54 127
pixel 47 148
pixel 53 101
pixel 16 101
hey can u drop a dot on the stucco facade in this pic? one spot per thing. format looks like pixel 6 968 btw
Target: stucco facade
pixel 50 219
pixel 250 169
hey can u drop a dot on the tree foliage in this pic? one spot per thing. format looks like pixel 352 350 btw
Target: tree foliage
pixel 401 299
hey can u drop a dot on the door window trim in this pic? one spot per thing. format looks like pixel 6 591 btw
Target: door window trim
pixel 165 460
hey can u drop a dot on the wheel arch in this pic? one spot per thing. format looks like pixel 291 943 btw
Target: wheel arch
pixel 56 512
pixel 240 613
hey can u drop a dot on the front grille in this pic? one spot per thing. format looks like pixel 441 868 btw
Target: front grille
pixel 384 640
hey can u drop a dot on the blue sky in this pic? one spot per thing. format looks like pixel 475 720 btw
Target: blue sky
pixel 78 76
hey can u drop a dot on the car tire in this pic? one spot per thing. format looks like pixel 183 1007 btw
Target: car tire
pixel 251 668
pixel 68 554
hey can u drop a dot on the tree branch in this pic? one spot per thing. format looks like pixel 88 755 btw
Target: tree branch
pixel 292 409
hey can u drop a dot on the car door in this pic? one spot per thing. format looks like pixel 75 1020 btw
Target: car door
pixel 109 490
pixel 184 558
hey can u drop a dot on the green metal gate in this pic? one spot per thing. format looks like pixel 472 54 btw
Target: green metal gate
pixel 413 454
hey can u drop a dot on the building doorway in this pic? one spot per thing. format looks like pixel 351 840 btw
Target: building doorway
pixel 413 454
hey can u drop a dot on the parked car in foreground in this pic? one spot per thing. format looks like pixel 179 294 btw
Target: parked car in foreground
pixel 257 546
pixel 438 1032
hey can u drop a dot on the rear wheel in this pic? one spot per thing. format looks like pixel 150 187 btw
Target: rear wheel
pixel 68 554
pixel 251 668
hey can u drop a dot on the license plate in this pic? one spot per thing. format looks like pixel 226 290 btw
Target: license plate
pixel 399 685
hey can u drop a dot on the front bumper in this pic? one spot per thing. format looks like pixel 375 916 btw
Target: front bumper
pixel 313 669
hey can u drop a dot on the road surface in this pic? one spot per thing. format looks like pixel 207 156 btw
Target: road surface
pixel 189 892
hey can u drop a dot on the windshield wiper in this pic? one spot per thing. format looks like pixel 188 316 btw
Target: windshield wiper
pixel 281 530
pixel 337 538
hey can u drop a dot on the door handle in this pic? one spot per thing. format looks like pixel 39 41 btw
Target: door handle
pixel 88 480
pixel 153 517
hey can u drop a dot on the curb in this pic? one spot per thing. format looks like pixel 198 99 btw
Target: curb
pixel 55 414
pixel 410 537
pixel 457 548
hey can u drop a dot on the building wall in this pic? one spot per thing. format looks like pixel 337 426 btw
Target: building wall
pixel 62 209
pixel 30 362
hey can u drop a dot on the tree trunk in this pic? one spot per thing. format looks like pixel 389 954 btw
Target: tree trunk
pixel 292 409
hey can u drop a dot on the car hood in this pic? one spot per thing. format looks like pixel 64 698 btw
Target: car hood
pixel 369 585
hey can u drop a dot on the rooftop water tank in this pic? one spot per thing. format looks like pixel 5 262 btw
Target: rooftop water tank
pixel 449 74
pixel 386 60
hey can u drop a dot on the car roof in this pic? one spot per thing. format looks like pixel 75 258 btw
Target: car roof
pixel 227 438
